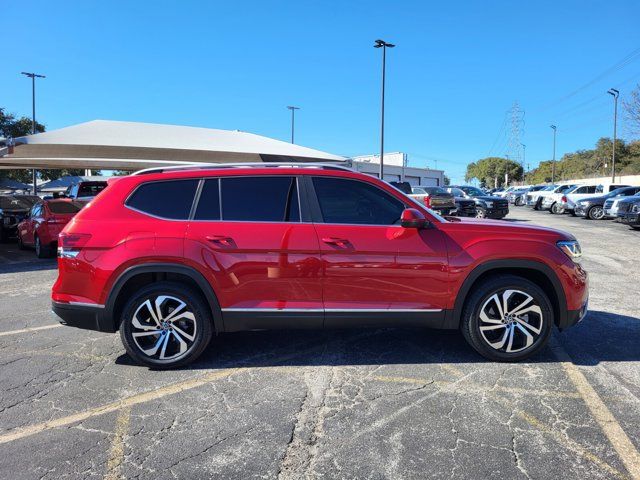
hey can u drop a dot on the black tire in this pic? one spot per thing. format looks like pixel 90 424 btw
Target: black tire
pixel 635 227
pixel 3 235
pixel 595 213
pixel 481 212
pixel 538 204
pixel 555 209
pixel 482 297
pixel 201 331
pixel 42 251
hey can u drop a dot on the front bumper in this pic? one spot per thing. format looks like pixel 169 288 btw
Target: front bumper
pixel 631 218
pixel 574 316
pixel 88 317
pixel 580 210
pixel 496 213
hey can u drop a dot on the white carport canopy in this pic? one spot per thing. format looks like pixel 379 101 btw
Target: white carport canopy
pixel 102 144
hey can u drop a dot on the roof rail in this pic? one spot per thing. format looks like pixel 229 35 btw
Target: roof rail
pixel 208 166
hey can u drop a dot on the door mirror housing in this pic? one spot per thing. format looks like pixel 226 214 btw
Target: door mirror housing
pixel 412 218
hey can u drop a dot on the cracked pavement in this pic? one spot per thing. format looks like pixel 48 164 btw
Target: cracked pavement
pixel 374 404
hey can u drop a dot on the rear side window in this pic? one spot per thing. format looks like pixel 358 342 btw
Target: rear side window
pixel 169 199
pixel 260 199
pixel 354 202
pixel 64 207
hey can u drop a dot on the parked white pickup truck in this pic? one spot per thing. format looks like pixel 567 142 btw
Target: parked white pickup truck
pixel 563 202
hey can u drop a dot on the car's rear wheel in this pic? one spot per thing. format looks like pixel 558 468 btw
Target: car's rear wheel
pixel 481 212
pixel 166 325
pixel 42 251
pixel 507 318
pixel 596 213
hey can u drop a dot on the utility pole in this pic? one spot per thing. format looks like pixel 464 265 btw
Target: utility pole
pixel 384 45
pixel 293 119
pixel 524 158
pixel 33 77
pixel 553 165
pixel 614 93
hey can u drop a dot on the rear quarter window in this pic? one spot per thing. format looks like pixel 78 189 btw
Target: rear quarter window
pixel 171 199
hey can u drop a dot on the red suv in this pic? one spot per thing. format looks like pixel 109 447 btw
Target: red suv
pixel 45 221
pixel 171 256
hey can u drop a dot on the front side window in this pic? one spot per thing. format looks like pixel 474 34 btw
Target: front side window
pixel 260 199
pixel 346 201
pixel 473 191
pixel 166 199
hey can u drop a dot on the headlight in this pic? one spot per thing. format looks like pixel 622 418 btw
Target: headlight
pixel 635 208
pixel 571 248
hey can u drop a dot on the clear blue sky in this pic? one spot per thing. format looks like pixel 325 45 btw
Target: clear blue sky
pixel 457 68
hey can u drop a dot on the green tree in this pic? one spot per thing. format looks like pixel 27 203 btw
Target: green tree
pixel 490 170
pixel 632 112
pixel 447 180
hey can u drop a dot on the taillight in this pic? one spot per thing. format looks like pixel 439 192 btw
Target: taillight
pixel 70 244
pixel 427 201
pixel 564 199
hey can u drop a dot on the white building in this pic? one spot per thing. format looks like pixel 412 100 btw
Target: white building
pixel 396 169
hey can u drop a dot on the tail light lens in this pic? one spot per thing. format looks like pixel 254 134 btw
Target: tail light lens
pixel 427 201
pixel 564 199
pixel 70 244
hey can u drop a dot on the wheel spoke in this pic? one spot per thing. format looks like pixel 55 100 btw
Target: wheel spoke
pixel 526 334
pixel 499 344
pixel 183 333
pixel 529 326
pixel 164 345
pixel 183 344
pixel 493 327
pixel 516 309
pixel 498 304
pixel 511 335
pixel 177 310
pixel 147 333
pixel 532 309
pixel 153 350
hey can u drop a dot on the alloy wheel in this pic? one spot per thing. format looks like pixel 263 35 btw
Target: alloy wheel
pixel 596 213
pixel 164 328
pixel 511 321
pixel 480 213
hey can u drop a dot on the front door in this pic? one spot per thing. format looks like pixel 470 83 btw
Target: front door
pixel 375 271
pixel 262 260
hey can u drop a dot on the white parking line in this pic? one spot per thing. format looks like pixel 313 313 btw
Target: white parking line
pixel 32 329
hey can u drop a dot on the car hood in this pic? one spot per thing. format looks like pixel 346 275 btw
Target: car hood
pixel 516 228
pixel 487 198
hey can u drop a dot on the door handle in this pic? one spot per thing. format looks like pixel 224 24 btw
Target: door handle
pixel 221 240
pixel 338 242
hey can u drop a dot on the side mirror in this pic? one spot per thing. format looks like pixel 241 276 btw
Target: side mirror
pixel 412 218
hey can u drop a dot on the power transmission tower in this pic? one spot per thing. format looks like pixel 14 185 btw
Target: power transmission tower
pixel 515 117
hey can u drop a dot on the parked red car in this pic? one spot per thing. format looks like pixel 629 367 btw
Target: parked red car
pixel 171 256
pixel 45 221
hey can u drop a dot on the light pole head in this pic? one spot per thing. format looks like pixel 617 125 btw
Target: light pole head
pixel 553 127
pixel 32 75
pixel 382 43
pixel 291 107
pixel 614 92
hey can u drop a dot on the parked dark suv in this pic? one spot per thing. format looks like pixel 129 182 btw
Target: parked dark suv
pixel 14 209
pixel 486 205
pixel 172 256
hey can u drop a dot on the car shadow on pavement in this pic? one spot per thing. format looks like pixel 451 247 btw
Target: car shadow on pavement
pixel 600 337
pixel 28 266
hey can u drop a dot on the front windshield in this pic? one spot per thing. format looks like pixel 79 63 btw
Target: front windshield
pixel 473 191
pixel 566 188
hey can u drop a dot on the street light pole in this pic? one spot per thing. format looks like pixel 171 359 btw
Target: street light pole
pixel 293 119
pixel 553 165
pixel 33 77
pixel 384 45
pixel 524 157
pixel 614 93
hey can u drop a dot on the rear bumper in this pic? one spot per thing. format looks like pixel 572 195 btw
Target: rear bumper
pixel 88 317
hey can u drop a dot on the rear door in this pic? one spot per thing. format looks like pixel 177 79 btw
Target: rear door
pixel 262 259
pixel 375 271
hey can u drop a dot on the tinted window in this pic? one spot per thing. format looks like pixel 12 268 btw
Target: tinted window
pixel 91 189
pixel 209 203
pixel 473 191
pixel 64 207
pixel 260 199
pixel 435 190
pixel 354 202
pixel 170 199
pixel 457 192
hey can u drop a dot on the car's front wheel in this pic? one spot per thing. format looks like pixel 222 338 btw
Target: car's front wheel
pixel 556 209
pixel 42 251
pixel 507 318
pixel 481 212
pixel 165 325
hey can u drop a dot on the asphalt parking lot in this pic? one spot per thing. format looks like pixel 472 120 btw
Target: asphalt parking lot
pixel 337 404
